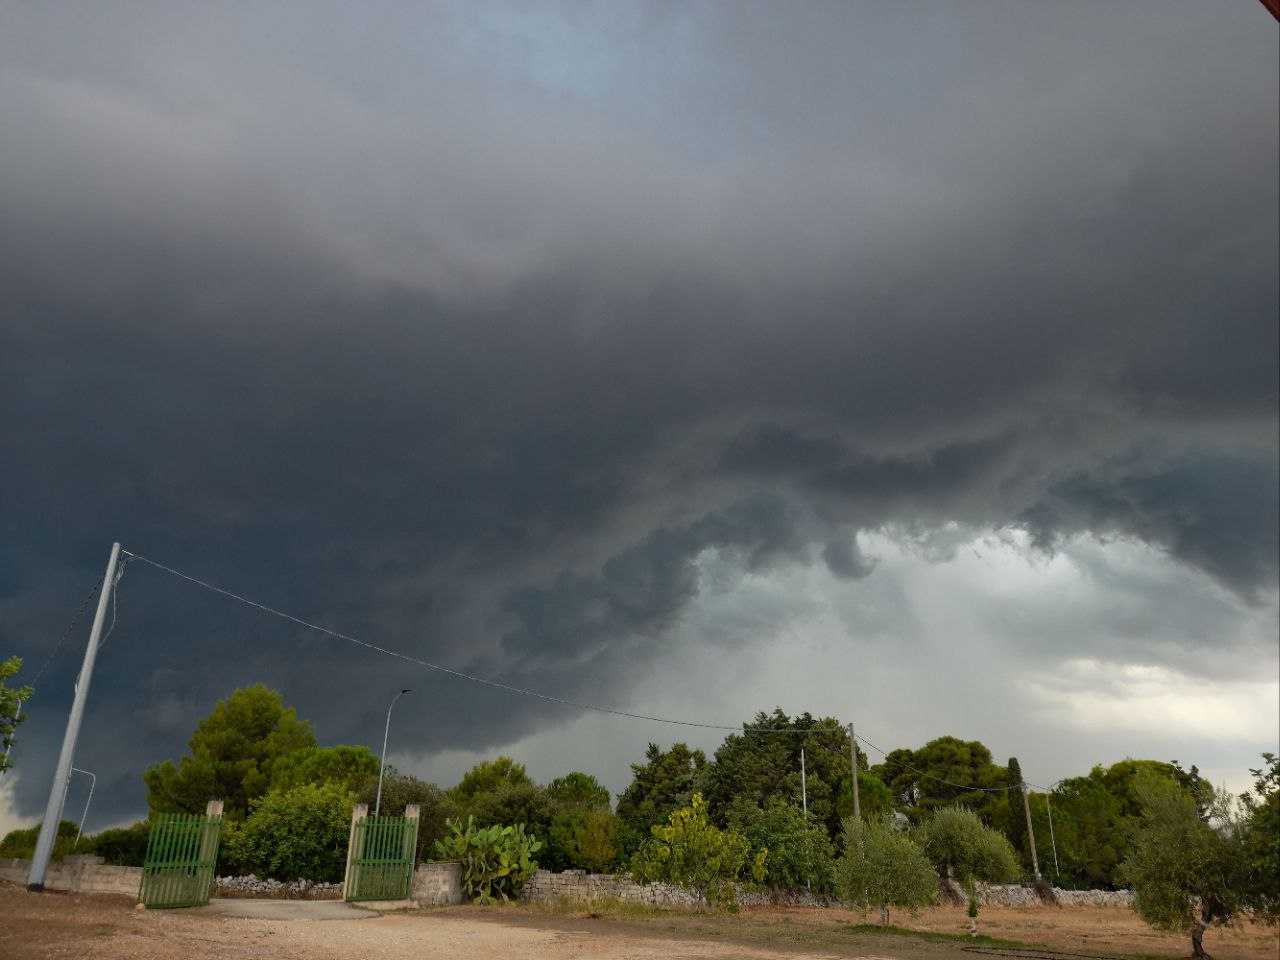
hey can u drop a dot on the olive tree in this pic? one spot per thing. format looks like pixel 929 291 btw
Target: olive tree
pixel 1184 872
pixel 962 847
pixel 882 867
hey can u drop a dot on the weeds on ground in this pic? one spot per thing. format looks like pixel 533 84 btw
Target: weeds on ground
pixel 611 908
pixel 891 930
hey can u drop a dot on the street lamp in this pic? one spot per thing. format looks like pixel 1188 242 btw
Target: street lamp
pixel 377 805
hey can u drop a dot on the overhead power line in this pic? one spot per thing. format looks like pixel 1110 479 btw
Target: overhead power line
pixel 521 691
pixel 67 632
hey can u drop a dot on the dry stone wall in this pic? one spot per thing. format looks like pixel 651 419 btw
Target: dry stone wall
pixel 1016 895
pixel 254 886
pixel 440 884
pixel 580 886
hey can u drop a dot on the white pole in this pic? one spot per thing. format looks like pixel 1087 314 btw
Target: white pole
pixel 853 766
pixel 804 800
pixel 93 782
pixel 53 810
pixel 804 788
pixel 382 764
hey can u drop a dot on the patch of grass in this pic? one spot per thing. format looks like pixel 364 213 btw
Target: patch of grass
pixel 982 938
pixel 611 908
pixel 985 941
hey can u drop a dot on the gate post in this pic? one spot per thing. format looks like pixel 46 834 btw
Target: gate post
pixel 409 849
pixel 209 847
pixel 358 813
pixel 209 842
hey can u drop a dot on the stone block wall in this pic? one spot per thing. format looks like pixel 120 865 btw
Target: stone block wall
pixel 437 885
pixel 81 874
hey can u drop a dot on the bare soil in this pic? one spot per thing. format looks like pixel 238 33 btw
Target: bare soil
pixel 109 928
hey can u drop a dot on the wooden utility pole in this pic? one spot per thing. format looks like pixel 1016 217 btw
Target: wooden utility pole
pixel 1031 833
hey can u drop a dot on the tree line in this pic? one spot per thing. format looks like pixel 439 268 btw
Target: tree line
pixel 946 808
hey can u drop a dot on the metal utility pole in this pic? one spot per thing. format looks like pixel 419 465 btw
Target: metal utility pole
pixel 853 766
pixel 53 810
pixel 382 764
pixel 804 786
pixel 1031 833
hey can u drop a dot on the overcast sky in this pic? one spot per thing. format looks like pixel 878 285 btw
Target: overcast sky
pixel 910 363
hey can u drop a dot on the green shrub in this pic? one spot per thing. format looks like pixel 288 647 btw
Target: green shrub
pixel 1260 842
pixel 881 867
pixel 300 833
pixel 693 853
pixel 496 861
pixel 22 843
pixel 525 803
pixel 592 840
pixel 120 847
pixel 799 850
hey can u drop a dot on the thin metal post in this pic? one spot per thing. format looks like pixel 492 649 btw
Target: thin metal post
pixel 382 764
pixel 1052 840
pixel 1031 833
pixel 53 810
pixel 93 782
pixel 804 785
pixel 853 767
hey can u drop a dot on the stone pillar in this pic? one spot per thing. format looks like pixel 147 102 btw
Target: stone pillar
pixel 209 845
pixel 358 813
pixel 410 850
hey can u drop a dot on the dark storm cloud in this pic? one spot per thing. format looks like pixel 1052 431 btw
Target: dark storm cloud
pixel 453 334
pixel 640 591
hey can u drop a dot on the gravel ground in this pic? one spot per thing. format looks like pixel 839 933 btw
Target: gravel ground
pixel 51 925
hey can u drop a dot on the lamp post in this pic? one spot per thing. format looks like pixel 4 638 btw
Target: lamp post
pixel 377 804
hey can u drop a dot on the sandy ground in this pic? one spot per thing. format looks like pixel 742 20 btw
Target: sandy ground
pixel 109 928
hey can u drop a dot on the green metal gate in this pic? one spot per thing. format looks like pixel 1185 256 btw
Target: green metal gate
pixel 182 852
pixel 380 863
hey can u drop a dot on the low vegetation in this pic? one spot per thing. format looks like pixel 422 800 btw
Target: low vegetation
pixel 691 852
pixel 496 861
pixel 882 867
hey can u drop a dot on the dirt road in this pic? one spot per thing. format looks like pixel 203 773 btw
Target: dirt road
pixel 109 928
